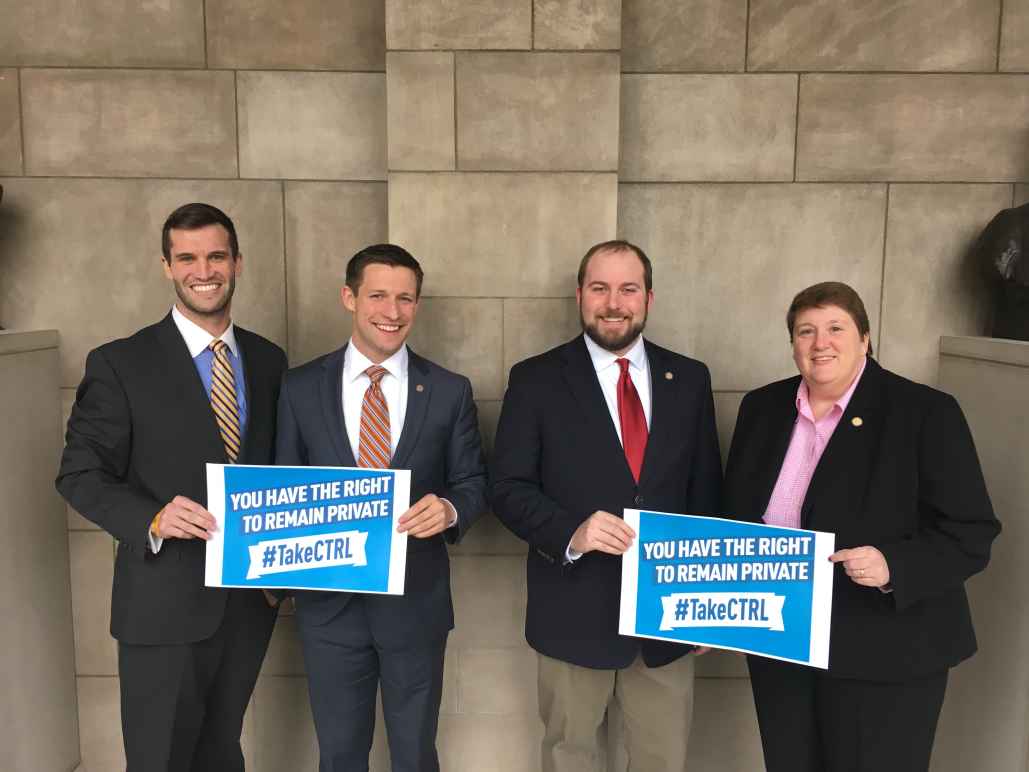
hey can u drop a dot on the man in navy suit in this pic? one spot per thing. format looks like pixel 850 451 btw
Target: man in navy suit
pixel 375 403
pixel 605 422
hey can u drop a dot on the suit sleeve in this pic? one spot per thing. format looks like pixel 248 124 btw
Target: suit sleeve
pixel 517 485
pixel 94 472
pixel 465 469
pixel 290 449
pixel 704 496
pixel 957 520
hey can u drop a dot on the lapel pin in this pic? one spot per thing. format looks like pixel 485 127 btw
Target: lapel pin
pixel 419 387
pixel 668 375
pixel 856 421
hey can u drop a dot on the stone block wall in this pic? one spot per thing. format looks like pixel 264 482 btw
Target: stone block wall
pixel 752 147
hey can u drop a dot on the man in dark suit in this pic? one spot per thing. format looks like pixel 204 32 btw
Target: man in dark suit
pixel 374 403
pixel 605 422
pixel 151 410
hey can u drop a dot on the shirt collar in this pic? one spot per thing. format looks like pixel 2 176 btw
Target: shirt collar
pixel 355 363
pixel 602 358
pixel 840 406
pixel 197 338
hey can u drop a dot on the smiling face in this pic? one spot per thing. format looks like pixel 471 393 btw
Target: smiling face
pixel 203 270
pixel 614 300
pixel 384 308
pixel 828 349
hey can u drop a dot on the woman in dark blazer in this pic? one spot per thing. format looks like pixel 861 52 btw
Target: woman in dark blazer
pixel 889 466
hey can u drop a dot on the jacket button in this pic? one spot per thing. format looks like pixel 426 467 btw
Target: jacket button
pixel 638 501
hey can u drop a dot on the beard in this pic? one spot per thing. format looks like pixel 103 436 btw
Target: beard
pixel 226 298
pixel 612 341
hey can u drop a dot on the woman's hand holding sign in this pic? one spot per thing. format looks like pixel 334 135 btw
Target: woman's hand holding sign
pixel 864 565
pixel 604 532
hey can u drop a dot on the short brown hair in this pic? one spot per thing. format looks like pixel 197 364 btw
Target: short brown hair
pixel 831 293
pixel 191 217
pixel 618 245
pixel 382 254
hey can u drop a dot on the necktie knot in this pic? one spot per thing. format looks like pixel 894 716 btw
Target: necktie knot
pixel 624 364
pixel 218 345
pixel 375 373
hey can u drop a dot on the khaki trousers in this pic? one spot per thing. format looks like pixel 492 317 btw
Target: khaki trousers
pixel 656 706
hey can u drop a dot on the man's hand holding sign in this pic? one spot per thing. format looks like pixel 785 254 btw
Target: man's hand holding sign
pixel 604 532
pixel 428 516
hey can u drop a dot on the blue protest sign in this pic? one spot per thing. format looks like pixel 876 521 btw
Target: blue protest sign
pixel 312 528
pixel 712 582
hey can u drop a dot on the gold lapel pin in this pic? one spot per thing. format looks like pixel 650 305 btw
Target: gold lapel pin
pixel 856 421
pixel 419 387
pixel 669 376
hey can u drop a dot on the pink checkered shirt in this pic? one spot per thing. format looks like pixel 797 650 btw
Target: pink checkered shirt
pixel 807 444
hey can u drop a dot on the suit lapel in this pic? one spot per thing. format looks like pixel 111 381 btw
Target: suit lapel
pixel 248 379
pixel 332 406
pixel 581 377
pixel 664 406
pixel 179 374
pixel 419 392
pixel 778 432
pixel 849 454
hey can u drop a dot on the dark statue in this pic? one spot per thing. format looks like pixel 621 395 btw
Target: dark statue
pixel 1001 253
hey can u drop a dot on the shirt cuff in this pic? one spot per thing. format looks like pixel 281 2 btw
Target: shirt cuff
pixel 155 542
pixel 571 555
pixel 451 513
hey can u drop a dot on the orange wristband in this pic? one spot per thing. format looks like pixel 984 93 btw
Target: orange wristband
pixel 154 523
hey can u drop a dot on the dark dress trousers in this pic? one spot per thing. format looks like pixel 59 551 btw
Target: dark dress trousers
pixel 396 639
pixel 901 474
pixel 140 433
pixel 557 460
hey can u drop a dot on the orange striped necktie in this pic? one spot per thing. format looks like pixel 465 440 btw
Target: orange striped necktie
pixel 223 399
pixel 373 449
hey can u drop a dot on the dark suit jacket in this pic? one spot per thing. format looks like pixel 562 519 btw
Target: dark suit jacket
pixel 440 445
pixel 906 481
pixel 557 460
pixel 139 434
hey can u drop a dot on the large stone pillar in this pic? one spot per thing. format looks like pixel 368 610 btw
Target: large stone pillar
pixel 985 720
pixel 39 729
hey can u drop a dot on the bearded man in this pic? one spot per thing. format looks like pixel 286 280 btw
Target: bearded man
pixel 605 422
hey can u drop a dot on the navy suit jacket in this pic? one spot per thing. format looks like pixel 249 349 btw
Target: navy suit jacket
pixel 439 443
pixel 558 459
pixel 904 479
pixel 140 433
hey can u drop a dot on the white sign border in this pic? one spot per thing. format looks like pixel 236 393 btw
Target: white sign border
pixel 213 562
pixel 821 596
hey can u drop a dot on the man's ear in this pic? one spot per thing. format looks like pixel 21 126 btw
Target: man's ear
pixel 346 295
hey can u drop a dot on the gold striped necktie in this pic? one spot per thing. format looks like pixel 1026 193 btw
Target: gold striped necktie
pixel 223 399
pixel 373 448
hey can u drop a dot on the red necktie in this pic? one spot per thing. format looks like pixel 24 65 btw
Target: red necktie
pixel 632 419
pixel 373 445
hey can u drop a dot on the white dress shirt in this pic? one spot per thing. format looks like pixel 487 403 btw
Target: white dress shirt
pixel 197 339
pixel 608 372
pixel 394 389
